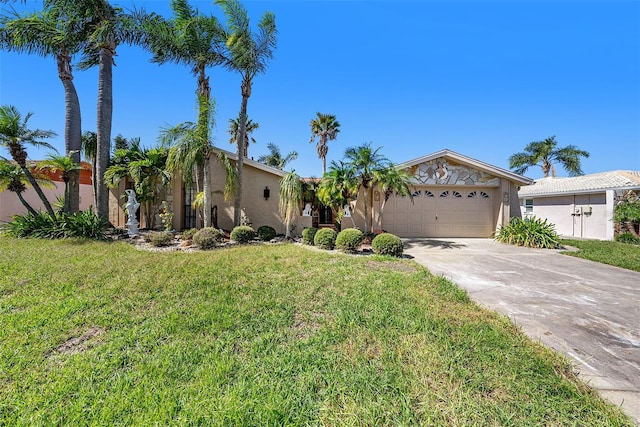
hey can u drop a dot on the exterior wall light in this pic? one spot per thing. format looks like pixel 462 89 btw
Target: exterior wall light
pixel 266 193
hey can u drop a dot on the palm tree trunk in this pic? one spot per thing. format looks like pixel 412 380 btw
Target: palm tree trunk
pixel 206 188
pixel 38 191
pixel 72 129
pixel 237 203
pixel 105 112
pixel 26 204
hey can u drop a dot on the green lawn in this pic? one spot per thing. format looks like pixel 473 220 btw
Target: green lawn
pixel 103 334
pixel 607 252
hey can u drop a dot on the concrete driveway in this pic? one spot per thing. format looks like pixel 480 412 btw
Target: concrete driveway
pixel 586 310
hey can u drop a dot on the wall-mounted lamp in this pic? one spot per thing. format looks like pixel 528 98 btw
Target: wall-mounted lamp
pixel 266 193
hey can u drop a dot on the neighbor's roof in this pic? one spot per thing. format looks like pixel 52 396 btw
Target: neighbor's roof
pixel 592 183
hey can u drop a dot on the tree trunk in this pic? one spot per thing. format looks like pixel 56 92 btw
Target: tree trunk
pixel 237 203
pixel 26 204
pixel 206 188
pixel 38 191
pixel 72 129
pixel 105 112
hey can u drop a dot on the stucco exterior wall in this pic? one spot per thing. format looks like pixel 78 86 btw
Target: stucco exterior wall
pixel 10 204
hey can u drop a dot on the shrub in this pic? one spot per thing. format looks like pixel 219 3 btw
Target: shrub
pixel 243 234
pixel 161 238
pixel 208 237
pixel 41 225
pixel 628 238
pixel 308 234
pixel 530 232
pixel 266 233
pixel 325 238
pixel 188 234
pixel 349 240
pixel 387 244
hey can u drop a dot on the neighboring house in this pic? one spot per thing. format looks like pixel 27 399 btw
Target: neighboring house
pixel 455 196
pixel 10 204
pixel 580 206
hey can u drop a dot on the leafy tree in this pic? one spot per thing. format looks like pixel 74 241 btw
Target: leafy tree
pixel 545 154
pixel 14 134
pixel 234 129
pixel 248 53
pixel 12 178
pixel 325 128
pixel 290 200
pixel 56 33
pixel 194 40
pixel 390 180
pixel 68 168
pixel 275 159
pixel 338 187
pixel 366 165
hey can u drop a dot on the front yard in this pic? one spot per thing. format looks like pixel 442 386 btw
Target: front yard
pixel 95 333
pixel 622 255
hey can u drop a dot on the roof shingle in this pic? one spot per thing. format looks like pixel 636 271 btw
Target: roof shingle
pixel 583 184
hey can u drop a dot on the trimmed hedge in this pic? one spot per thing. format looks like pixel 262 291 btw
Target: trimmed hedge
pixel 242 234
pixel 308 234
pixel 266 233
pixel 387 244
pixel 349 240
pixel 325 238
pixel 208 237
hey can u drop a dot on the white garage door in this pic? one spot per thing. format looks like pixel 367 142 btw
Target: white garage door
pixel 442 212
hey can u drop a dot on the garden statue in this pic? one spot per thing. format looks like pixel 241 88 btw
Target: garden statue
pixel 132 207
pixel 307 210
pixel 346 211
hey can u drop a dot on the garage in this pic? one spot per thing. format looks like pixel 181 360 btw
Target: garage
pixel 442 212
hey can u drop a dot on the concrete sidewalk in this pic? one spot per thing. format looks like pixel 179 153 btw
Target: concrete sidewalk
pixel 588 311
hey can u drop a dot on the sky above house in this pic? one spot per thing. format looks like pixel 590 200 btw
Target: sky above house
pixel 482 78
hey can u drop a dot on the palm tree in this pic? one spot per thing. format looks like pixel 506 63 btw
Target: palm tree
pixel 290 200
pixel 54 32
pixel 67 168
pixel 325 127
pixel 192 39
pixel 234 129
pixel 338 187
pixel 12 178
pixel 366 163
pixel 89 152
pixel 275 159
pixel 248 53
pixel 14 134
pixel 391 180
pixel 545 154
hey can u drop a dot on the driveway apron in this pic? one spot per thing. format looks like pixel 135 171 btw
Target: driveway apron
pixel 586 310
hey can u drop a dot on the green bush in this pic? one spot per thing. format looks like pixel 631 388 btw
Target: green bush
pixel 308 234
pixel 531 232
pixel 243 234
pixel 266 233
pixel 188 234
pixel 82 224
pixel 387 244
pixel 325 238
pixel 627 238
pixel 349 240
pixel 208 237
pixel 160 238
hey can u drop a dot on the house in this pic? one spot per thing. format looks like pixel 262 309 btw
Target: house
pixel 454 196
pixel 579 206
pixel 10 204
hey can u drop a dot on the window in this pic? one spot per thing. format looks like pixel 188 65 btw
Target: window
pixel 528 206
pixel 416 193
pixel 472 194
pixel 484 195
pixel 457 194
pixel 428 193
pixel 444 194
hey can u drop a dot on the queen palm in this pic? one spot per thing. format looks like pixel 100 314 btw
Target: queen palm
pixel 89 152
pixel 14 134
pixel 545 154
pixel 338 187
pixel 325 128
pixel 54 32
pixel 13 179
pixel 248 53
pixel 234 129
pixel 275 159
pixel 391 180
pixel 67 167
pixel 191 39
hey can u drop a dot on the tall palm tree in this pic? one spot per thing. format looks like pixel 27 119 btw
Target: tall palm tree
pixel 89 152
pixel 234 129
pixel 366 163
pixel 275 159
pixel 325 128
pixel 391 180
pixel 54 32
pixel 290 200
pixel 12 178
pixel 194 40
pixel 248 53
pixel 338 187
pixel 545 154
pixel 14 134
pixel 67 167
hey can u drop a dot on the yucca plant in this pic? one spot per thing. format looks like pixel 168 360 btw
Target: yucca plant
pixel 531 232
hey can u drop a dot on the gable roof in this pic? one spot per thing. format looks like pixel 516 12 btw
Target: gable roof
pixel 592 183
pixel 252 163
pixel 494 170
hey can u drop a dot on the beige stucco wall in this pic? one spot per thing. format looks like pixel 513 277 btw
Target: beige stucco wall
pixel 10 204
pixel 583 215
pixel 118 199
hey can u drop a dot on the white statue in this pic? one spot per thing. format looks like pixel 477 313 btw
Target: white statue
pixel 346 211
pixel 132 207
pixel 307 210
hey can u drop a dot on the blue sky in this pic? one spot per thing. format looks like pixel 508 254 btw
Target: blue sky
pixel 483 78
